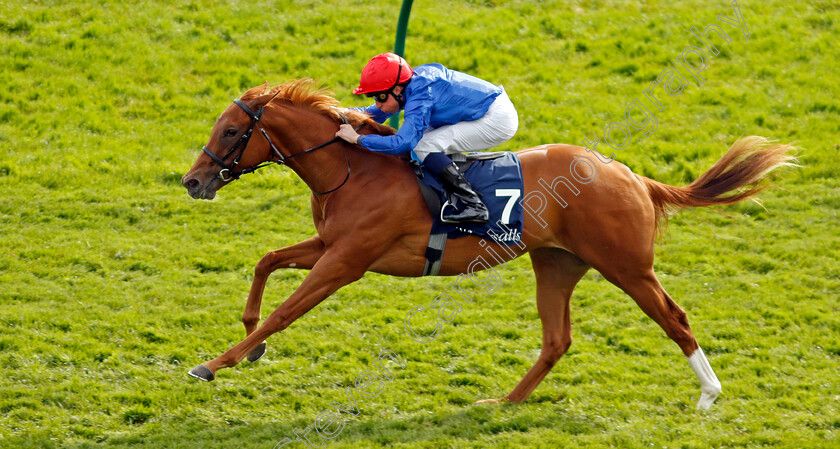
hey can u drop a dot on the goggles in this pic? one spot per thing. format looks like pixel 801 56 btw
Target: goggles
pixel 380 97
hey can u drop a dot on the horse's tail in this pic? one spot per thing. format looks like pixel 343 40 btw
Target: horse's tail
pixel 746 164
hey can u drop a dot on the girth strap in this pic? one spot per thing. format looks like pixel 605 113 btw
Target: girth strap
pixel 434 253
pixel 437 239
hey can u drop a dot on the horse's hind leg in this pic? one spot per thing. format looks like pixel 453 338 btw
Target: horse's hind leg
pixel 649 294
pixel 557 272
pixel 301 255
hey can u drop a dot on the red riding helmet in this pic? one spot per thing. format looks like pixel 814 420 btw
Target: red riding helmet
pixel 380 73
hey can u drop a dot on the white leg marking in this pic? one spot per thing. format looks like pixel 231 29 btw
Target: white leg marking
pixel 709 383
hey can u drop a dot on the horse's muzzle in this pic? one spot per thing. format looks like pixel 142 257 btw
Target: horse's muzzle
pixel 199 190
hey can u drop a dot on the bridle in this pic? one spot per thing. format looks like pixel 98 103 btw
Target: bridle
pixel 228 172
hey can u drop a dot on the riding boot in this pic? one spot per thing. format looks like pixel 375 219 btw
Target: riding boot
pixel 462 197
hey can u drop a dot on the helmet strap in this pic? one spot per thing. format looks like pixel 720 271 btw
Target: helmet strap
pixel 400 99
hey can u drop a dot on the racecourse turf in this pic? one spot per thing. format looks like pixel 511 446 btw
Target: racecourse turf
pixel 113 282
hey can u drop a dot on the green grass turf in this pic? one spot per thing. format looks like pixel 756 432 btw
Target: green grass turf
pixel 114 283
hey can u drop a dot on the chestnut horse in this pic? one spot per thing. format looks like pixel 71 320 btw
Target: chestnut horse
pixel 369 216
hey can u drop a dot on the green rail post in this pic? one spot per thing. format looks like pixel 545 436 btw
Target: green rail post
pixel 399 44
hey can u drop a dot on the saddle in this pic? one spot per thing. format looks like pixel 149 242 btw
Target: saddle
pixel 497 177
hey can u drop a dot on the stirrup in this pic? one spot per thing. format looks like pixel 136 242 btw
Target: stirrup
pixel 443 208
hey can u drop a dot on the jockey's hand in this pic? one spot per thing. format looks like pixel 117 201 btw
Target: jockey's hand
pixel 347 133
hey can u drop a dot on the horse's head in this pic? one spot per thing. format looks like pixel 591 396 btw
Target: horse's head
pixel 235 149
pixel 230 149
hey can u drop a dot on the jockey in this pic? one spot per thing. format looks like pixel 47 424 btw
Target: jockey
pixel 446 112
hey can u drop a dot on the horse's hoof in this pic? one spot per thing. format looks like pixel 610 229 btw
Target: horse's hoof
pixel 203 373
pixel 257 353
pixel 491 401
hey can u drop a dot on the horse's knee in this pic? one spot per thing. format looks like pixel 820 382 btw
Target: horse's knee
pixel 250 319
pixel 553 349
pixel 266 265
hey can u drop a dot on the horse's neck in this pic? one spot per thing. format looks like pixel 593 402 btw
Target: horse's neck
pixel 300 130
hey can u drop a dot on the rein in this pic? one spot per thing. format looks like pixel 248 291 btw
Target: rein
pixel 242 143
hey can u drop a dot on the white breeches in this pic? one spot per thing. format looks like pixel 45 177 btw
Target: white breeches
pixel 496 127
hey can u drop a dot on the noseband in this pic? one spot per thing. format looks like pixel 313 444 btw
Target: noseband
pixel 228 172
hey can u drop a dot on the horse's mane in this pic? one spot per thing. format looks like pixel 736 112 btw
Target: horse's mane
pixel 310 94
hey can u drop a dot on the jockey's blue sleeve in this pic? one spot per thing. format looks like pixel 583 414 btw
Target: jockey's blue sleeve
pixel 418 113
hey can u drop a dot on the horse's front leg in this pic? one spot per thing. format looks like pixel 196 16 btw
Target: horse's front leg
pixel 301 255
pixel 332 271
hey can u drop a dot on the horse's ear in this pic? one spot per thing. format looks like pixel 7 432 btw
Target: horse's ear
pixel 254 92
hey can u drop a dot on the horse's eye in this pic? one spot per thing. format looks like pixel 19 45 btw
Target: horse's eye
pixel 230 132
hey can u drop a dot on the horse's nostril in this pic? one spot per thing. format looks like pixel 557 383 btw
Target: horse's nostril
pixel 191 183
